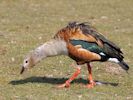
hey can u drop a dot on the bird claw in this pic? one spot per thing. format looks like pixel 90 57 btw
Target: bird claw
pixel 64 85
pixel 91 85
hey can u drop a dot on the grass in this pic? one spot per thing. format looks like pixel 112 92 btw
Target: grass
pixel 25 24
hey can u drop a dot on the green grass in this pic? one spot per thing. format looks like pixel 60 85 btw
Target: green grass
pixel 25 24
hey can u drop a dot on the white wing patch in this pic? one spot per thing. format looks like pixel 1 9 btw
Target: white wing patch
pixel 101 53
pixel 115 60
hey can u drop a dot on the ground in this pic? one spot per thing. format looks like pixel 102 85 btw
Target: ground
pixel 26 24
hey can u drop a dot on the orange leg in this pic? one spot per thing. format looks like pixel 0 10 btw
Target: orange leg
pixel 91 83
pixel 67 83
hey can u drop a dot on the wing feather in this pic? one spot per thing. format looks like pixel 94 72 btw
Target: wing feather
pixel 85 32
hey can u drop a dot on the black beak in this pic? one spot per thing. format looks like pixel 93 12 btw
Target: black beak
pixel 22 70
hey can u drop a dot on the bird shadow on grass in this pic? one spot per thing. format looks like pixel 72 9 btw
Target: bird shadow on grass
pixel 51 80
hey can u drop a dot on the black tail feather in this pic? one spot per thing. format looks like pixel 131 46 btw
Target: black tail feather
pixel 124 65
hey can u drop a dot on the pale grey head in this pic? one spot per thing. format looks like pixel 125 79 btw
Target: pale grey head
pixel 28 62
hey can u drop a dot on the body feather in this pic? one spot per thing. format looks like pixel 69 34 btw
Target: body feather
pixel 86 40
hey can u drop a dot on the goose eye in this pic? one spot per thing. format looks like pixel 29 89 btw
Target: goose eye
pixel 26 61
